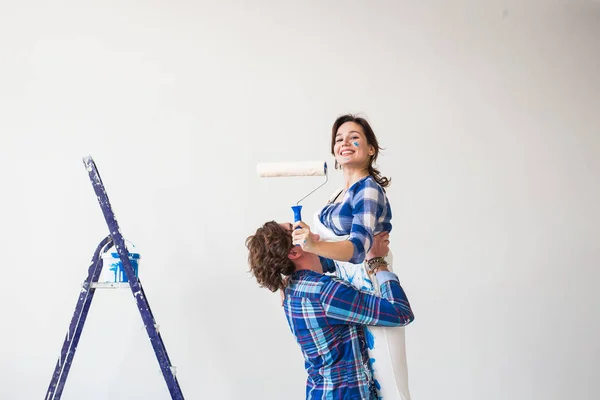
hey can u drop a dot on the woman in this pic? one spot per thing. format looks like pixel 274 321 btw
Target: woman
pixel 346 227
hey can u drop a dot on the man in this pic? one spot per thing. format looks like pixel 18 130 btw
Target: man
pixel 327 315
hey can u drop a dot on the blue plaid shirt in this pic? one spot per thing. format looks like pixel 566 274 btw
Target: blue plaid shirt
pixel 364 212
pixel 327 316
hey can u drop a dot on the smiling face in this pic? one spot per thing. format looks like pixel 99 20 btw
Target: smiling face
pixel 351 148
pixel 355 146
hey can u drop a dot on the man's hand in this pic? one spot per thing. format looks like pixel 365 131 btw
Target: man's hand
pixel 380 247
pixel 303 236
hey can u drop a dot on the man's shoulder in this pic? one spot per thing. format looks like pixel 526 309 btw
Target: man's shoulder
pixel 306 283
pixel 313 283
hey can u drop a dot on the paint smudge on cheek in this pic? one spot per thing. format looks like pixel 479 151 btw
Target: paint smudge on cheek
pixel 355 144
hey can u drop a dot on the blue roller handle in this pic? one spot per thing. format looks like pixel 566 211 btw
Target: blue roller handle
pixel 297 213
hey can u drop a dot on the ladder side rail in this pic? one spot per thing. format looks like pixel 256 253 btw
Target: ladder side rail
pixel 75 327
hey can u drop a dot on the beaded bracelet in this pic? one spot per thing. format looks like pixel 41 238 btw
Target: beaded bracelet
pixel 380 261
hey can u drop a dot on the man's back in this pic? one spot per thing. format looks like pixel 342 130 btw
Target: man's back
pixel 327 316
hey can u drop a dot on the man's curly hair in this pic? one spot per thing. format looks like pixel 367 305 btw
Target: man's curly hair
pixel 268 255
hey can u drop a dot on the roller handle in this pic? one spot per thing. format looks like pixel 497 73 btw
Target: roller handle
pixel 297 213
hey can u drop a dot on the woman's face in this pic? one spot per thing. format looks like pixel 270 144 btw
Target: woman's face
pixel 351 148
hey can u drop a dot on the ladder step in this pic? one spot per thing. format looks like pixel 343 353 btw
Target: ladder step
pixel 110 285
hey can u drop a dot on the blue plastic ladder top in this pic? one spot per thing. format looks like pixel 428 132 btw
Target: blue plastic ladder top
pixel 86 295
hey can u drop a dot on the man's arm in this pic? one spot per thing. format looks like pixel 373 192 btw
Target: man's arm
pixel 381 245
pixel 343 302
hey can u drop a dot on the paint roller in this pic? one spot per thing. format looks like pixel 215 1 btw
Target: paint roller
pixel 290 169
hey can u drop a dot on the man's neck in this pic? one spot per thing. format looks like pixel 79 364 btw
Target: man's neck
pixel 309 262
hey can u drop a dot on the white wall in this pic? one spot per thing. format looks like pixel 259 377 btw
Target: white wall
pixel 489 116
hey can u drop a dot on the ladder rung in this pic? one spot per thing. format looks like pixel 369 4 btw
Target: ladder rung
pixel 110 285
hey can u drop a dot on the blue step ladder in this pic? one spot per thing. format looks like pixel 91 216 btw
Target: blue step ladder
pixel 89 286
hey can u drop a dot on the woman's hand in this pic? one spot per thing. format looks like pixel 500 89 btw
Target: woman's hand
pixel 310 242
pixel 304 237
